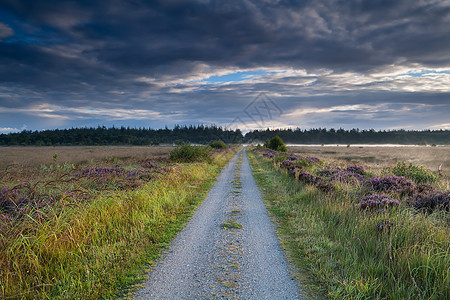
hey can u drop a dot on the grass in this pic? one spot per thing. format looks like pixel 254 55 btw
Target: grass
pixel 101 247
pixel 231 225
pixel 353 254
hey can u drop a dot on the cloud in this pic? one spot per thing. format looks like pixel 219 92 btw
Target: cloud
pixel 8 130
pixel 5 31
pixel 184 61
pixel 441 126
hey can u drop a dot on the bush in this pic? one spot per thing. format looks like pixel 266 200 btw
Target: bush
pixel 189 153
pixel 418 174
pixel 276 143
pixel 218 144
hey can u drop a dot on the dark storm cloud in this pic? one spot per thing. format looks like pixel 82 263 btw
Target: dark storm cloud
pixel 122 54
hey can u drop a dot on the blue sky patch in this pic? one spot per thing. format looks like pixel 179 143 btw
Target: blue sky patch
pixel 236 76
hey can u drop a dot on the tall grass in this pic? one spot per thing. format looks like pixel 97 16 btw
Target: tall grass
pixel 354 254
pixel 100 248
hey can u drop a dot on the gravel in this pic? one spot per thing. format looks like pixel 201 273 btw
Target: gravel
pixel 213 258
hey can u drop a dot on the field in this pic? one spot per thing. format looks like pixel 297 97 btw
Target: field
pixel 87 222
pixel 35 156
pixel 381 157
pixel 355 226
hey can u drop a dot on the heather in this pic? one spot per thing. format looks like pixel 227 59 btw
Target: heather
pixel 354 178
pixel 90 230
pixel 358 232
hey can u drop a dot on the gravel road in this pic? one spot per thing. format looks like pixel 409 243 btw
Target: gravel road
pixel 213 257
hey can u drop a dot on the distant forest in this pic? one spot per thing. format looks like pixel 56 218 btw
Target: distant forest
pixel 204 134
pixel 353 136
pixel 122 136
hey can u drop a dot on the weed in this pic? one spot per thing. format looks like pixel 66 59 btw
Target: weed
pixel 231 225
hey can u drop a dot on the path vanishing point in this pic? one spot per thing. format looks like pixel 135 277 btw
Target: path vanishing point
pixel 213 257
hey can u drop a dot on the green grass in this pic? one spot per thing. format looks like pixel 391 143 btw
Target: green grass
pixel 342 251
pixel 231 224
pixel 103 247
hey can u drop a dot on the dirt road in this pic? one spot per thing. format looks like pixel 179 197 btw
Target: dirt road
pixel 229 249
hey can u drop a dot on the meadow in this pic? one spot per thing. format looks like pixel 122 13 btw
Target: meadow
pixel 88 222
pixel 382 157
pixel 360 228
pixel 34 156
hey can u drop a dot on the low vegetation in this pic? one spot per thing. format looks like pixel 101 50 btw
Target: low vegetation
pixel 418 174
pixel 218 145
pixel 187 153
pixel 275 143
pixel 358 235
pixel 90 230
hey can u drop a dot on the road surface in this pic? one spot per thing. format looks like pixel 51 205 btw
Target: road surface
pixel 229 249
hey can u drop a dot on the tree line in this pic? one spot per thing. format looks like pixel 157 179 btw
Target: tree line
pixel 353 136
pixel 202 134
pixel 122 136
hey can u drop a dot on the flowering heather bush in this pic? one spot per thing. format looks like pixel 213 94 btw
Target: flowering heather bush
pixel 292 172
pixel 422 197
pixel 328 171
pixel 308 177
pixel 431 200
pixel 22 199
pixel 102 171
pixel 391 184
pixel 347 176
pixel 149 164
pixel 8 198
pixel 313 160
pixel 139 173
pixel 308 161
pixel 325 186
pixel 269 155
pixel 377 201
pixel 356 169
pixel 288 164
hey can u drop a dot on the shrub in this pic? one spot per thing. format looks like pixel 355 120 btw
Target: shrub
pixel 276 143
pixel 396 184
pixel 376 201
pixel 431 200
pixel 418 174
pixel 218 144
pixel 189 153
pixel 347 176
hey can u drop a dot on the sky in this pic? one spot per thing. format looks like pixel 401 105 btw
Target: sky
pixel 248 64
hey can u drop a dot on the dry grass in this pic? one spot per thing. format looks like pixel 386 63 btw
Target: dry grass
pixel 36 156
pixel 382 157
